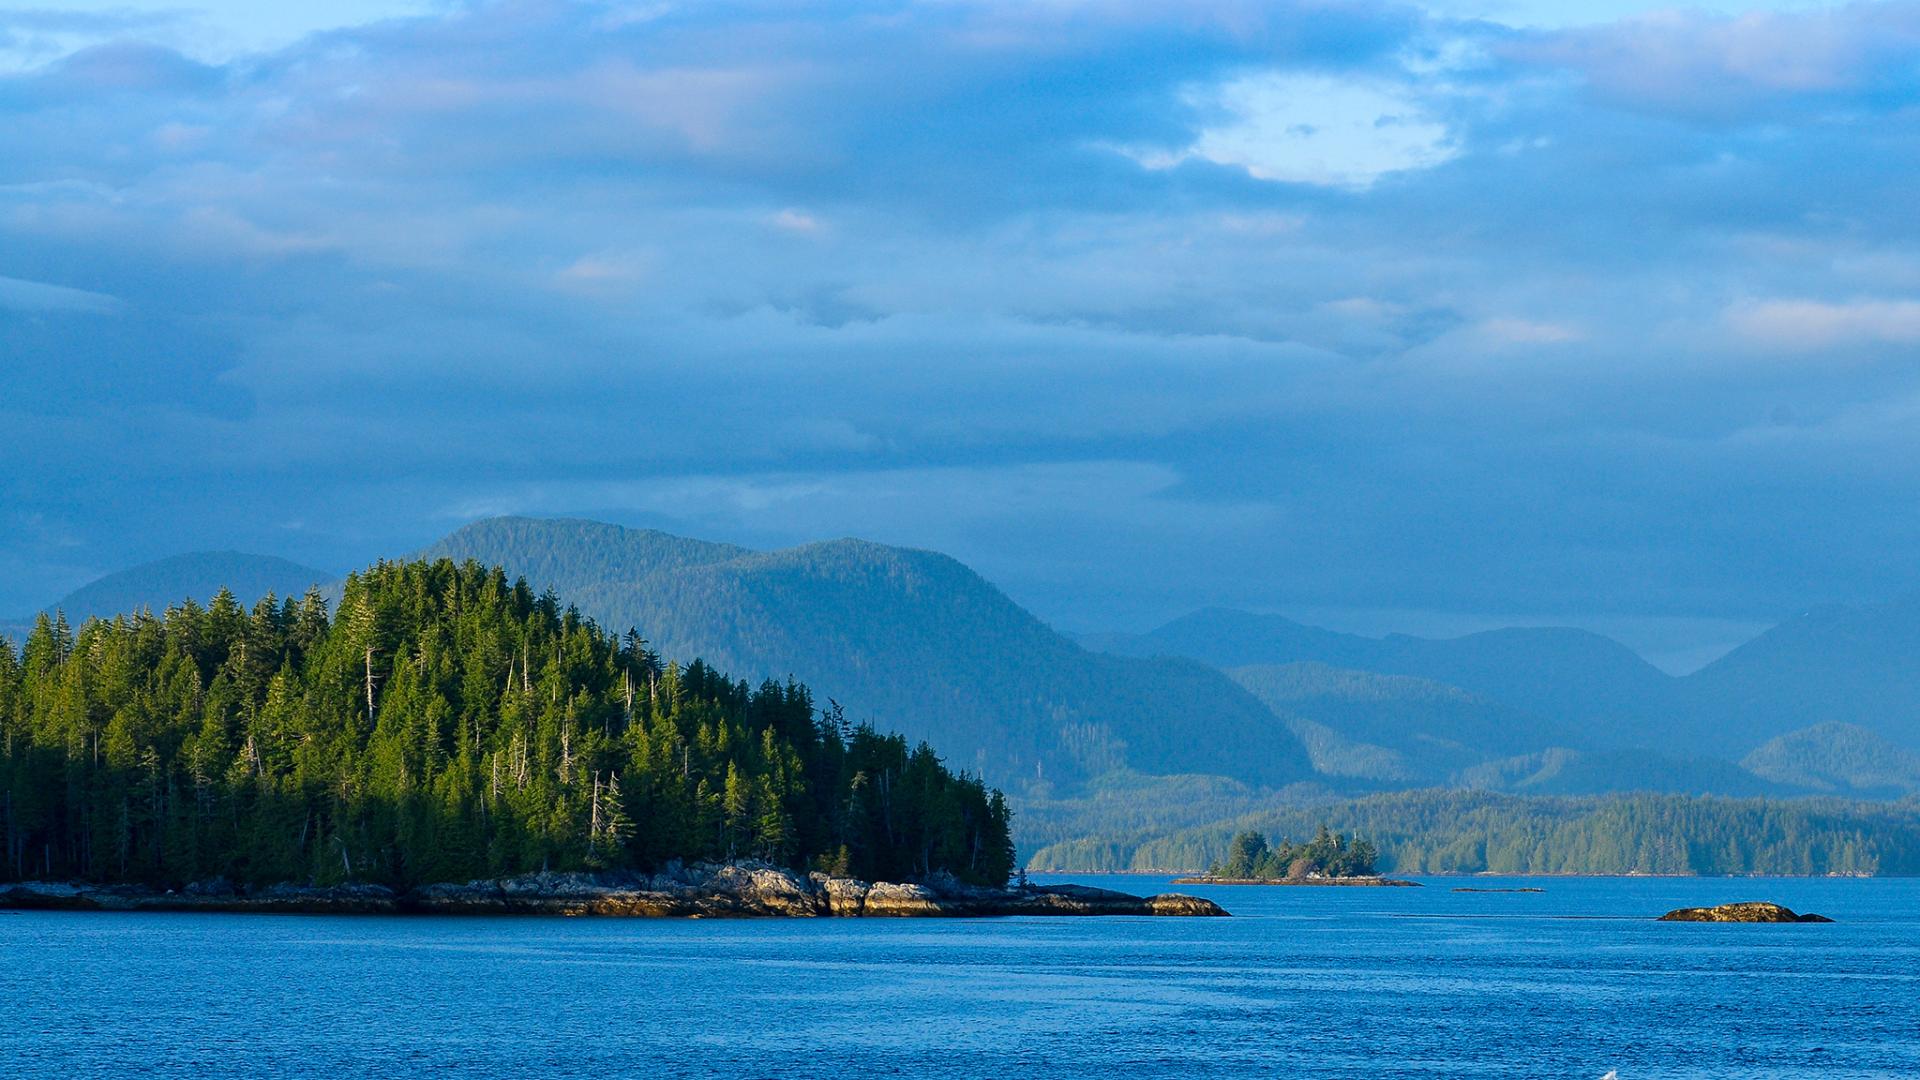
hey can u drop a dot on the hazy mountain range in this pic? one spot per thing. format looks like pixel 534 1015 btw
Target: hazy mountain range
pixel 1827 702
pixel 1846 665
pixel 911 639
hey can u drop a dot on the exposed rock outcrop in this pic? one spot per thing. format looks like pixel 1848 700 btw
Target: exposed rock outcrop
pixel 698 891
pixel 1748 912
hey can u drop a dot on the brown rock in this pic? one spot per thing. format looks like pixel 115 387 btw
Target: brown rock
pixel 844 896
pixel 888 899
pixel 1755 911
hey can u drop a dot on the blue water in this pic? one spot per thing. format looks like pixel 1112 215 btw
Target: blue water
pixel 1302 983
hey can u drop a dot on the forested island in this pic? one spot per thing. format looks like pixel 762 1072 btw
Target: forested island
pixel 1327 859
pixel 445 725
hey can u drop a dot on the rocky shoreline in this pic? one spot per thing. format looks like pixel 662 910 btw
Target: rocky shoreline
pixel 699 891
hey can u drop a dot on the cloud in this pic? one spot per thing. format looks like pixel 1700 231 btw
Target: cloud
pixel 1511 331
pixel 1312 129
pixel 1383 309
pixel 1817 324
pixel 1731 65
pixel 798 221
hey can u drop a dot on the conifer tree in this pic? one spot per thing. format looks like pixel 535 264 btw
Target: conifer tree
pixel 446 724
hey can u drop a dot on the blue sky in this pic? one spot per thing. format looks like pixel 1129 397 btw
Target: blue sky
pixel 1400 317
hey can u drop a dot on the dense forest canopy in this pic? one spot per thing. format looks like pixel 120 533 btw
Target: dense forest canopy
pixel 1328 854
pixel 445 724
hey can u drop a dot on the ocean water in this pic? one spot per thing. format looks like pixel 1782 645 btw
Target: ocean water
pixel 1573 982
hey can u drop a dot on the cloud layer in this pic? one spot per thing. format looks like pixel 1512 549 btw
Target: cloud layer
pixel 1136 308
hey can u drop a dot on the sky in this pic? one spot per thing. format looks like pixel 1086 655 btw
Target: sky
pixel 1398 317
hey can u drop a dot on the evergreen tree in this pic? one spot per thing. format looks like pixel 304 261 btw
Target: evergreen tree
pixel 446 724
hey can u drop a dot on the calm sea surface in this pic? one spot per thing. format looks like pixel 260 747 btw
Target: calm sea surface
pixel 1573 982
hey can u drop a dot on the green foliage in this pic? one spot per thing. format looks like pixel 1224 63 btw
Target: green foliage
pixel 1328 854
pixel 1446 831
pixel 445 725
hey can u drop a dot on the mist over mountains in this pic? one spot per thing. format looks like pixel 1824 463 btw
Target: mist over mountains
pixel 915 641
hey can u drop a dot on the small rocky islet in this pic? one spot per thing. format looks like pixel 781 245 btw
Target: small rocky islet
pixel 1752 911
pixel 730 890
pixel 1361 882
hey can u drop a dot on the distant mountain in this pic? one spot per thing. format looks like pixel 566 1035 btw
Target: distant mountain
pixel 1565 771
pixel 1395 729
pixel 1855 665
pixel 1571 676
pixel 911 639
pixel 1838 758
pixel 571 555
pixel 198 574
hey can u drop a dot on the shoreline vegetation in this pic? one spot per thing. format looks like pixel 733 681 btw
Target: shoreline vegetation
pixel 730 890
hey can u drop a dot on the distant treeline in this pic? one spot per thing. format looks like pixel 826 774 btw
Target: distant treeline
pixel 1479 832
pixel 445 725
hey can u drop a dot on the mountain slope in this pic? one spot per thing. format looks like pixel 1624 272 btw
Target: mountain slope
pixel 1856 665
pixel 1578 678
pixel 569 555
pixel 198 574
pixel 1563 771
pixel 1838 758
pixel 1395 728
pixel 911 639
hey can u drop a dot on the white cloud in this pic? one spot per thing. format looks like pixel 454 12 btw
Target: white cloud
pixel 1511 331
pixel 210 30
pixel 1818 324
pixel 1314 129
pixel 603 272
pixel 798 221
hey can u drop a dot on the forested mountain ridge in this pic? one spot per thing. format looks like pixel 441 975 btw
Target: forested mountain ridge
pixel 575 556
pixel 917 642
pixel 1835 758
pixel 446 724
pixel 1834 664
